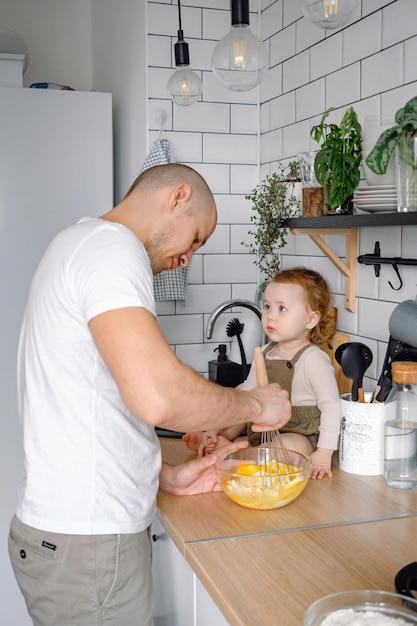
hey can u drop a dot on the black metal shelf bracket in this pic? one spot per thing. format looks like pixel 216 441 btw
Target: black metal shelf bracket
pixel 377 260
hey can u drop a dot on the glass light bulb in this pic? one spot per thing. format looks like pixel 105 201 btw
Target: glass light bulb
pixel 184 86
pixel 239 52
pixel 240 60
pixel 329 14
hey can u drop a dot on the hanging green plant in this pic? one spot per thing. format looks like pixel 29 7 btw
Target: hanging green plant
pixel 272 201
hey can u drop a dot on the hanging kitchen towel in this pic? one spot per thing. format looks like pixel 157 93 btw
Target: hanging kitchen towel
pixel 160 154
pixel 170 284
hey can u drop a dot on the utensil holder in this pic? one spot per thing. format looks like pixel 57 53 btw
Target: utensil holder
pixel 361 446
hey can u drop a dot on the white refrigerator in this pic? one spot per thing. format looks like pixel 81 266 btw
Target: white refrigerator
pixel 56 165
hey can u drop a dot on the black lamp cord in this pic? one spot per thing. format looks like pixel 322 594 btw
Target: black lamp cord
pixel 182 56
pixel 179 19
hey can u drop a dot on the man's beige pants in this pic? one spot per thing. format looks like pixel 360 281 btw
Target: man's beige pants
pixel 83 580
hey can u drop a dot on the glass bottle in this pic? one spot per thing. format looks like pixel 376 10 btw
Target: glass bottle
pixel 400 440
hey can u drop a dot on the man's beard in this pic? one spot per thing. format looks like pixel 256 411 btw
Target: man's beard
pixel 154 247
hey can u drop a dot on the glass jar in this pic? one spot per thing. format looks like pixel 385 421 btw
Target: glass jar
pixel 312 194
pixel 406 173
pixel 400 437
pixel 346 208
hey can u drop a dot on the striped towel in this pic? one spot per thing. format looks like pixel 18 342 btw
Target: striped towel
pixel 170 284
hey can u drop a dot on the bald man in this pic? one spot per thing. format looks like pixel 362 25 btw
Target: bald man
pixel 95 376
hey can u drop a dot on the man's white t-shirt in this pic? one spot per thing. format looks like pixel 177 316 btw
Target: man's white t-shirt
pixel 91 466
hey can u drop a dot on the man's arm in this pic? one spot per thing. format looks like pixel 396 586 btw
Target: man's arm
pixel 160 390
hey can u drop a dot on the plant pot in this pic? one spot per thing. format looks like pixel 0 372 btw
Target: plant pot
pixel 313 201
pixel 406 174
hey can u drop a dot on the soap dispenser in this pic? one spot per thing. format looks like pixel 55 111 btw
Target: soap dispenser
pixel 223 371
pixel 222 356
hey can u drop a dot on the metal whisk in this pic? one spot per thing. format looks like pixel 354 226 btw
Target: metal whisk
pixel 271 439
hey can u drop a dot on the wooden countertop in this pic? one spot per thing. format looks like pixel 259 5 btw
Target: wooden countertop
pixel 343 499
pixel 267 567
pixel 272 580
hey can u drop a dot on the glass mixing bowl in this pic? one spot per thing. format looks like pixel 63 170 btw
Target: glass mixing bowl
pixel 358 608
pixel 263 477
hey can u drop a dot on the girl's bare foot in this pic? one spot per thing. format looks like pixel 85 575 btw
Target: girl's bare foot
pixel 192 440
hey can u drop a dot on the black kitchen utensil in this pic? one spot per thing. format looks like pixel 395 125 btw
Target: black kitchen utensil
pixel 396 351
pixel 384 381
pixel 234 329
pixel 354 358
pixel 406 580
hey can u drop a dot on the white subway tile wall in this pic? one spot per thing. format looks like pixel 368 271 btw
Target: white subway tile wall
pixel 234 139
pixel 326 57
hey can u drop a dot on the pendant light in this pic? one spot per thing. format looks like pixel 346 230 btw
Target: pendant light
pixel 329 14
pixel 184 86
pixel 240 60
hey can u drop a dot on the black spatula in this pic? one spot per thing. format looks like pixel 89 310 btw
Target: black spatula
pixel 354 358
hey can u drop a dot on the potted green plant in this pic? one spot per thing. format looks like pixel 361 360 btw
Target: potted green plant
pixel 337 163
pixel 402 139
pixel 404 128
pixel 272 201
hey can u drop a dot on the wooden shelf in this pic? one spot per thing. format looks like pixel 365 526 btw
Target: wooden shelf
pixel 346 225
pixel 352 221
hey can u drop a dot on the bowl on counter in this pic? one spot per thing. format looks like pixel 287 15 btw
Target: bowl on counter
pixel 263 477
pixel 360 608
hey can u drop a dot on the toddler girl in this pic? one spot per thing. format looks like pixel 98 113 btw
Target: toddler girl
pixel 297 317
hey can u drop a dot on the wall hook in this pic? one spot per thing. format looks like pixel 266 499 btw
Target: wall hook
pixel 376 260
pixel 395 266
pixel 159 118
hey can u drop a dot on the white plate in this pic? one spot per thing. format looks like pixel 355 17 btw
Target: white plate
pixel 376 192
pixel 377 208
pixel 372 201
pixel 371 196
pixel 371 188
pixel 375 199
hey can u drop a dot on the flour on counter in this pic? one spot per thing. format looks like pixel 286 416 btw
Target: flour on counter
pixel 349 617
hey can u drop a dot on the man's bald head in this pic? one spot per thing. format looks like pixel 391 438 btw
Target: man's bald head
pixel 154 178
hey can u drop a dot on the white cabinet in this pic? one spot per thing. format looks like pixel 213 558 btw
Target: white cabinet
pixel 180 598
pixel 173 580
pixel 207 613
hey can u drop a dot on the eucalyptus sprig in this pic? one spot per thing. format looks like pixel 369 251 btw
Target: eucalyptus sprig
pixel 271 204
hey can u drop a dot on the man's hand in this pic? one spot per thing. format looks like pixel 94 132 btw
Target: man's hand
pixel 195 476
pixel 276 407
